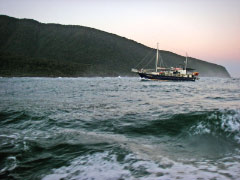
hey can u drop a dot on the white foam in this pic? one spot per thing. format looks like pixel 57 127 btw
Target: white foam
pixel 105 166
pixel 231 123
pixel 97 166
pixel 227 121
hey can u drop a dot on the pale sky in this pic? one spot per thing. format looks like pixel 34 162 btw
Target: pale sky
pixel 205 29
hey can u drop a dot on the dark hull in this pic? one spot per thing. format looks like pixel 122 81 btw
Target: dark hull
pixel 166 78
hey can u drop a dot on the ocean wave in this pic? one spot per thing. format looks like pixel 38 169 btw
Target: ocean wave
pixel 223 123
pixel 109 166
pixel 218 123
pixel 142 147
pixel 8 165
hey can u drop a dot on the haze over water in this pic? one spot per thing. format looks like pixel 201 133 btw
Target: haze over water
pixel 119 128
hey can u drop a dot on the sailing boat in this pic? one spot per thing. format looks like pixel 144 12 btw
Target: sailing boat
pixel 167 74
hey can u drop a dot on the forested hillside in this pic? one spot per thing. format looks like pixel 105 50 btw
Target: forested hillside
pixel 30 48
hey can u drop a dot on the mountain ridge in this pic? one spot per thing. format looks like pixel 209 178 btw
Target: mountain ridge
pixel 31 48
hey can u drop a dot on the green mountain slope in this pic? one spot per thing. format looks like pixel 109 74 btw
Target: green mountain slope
pixel 30 48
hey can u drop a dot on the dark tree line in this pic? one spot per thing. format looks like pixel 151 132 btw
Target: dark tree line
pixel 30 48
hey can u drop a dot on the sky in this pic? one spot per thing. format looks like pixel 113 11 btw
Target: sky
pixel 206 29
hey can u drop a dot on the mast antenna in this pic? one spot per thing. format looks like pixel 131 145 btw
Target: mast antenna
pixel 186 61
pixel 157 58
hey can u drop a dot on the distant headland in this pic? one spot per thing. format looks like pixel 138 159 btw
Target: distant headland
pixel 30 48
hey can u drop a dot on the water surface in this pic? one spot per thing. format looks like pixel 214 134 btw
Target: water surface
pixel 119 128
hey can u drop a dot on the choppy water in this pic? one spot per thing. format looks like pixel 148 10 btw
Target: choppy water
pixel 119 128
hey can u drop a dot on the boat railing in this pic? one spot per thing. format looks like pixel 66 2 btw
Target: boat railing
pixel 147 70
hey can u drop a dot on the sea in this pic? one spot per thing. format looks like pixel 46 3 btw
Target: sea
pixel 119 128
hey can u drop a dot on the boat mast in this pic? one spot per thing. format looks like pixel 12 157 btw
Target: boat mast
pixel 157 58
pixel 186 61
